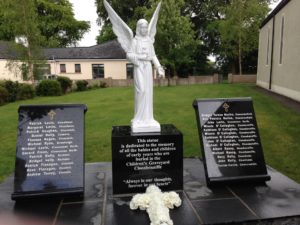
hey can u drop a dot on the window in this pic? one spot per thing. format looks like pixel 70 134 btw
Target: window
pixel 47 69
pixel 98 70
pixel 77 68
pixel 24 70
pixel 62 68
pixel 281 40
pixel 129 70
pixel 39 70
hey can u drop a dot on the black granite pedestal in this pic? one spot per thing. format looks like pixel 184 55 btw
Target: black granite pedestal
pixel 275 203
pixel 141 159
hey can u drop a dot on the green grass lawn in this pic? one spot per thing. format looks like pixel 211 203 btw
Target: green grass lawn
pixel 279 126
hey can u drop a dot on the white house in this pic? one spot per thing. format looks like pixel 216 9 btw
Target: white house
pixel 279 50
pixel 107 60
pixel 5 72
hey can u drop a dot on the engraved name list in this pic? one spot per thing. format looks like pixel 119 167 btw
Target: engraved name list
pixel 49 147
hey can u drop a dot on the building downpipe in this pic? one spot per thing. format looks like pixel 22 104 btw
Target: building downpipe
pixel 272 54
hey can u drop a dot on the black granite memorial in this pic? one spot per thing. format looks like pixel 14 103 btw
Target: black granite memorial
pixel 231 146
pixel 50 151
pixel 139 160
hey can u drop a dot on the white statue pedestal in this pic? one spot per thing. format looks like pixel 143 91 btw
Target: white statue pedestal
pixel 145 127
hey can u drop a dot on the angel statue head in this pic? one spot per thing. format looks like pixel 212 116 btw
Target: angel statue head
pixel 140 52
pixel 142 28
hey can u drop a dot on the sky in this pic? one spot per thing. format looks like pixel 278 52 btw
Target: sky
pixel 86 10
pixel 274 4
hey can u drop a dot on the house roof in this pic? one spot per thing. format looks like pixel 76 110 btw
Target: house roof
pixel 6 50
pixel 274 12
pixel 107 50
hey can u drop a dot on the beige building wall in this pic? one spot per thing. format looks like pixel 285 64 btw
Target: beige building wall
pixel 116 69
pixel 6 74
pixel 264 55
pixel 285 77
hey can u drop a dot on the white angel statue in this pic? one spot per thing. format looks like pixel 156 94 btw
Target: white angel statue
pixel 140 51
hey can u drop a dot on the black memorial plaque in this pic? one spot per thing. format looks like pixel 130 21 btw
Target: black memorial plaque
pixel 139 160
pixel 231 145
pixel 50 151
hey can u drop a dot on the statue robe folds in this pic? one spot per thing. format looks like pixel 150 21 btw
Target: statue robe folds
pixel 143 120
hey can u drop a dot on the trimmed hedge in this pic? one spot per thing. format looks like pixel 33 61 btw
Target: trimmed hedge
pixel 81 85
pixel 103 84
pixel 26 91
pixel 3 95
pixel 48 88
pixel 12 89
pixel 65 83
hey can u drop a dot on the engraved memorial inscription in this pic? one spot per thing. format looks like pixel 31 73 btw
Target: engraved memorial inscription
pixel 50 151
pixel 230 140
pixel 144 159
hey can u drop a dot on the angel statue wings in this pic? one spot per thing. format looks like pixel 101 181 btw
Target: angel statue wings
pixel 140 51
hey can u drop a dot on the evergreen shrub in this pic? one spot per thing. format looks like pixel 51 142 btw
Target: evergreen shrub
pixel 65 83
pixel 26 91
pixel 82 85
pixel 48 88
pixel 3 95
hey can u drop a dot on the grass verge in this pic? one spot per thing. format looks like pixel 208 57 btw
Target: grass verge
pixel 279 126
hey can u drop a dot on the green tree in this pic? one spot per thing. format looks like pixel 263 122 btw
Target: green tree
pixel 54 20
pixel 175 41
pixel 6 30
pixel 129 10
pixel 57 24
pixel 36 24
pixel 22 19
pixel 203 14
pixel 206 16
pixel 240 28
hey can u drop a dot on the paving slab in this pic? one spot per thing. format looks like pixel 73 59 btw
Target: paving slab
pixel 276 202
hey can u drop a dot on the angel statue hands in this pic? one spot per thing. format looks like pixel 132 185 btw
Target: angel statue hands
pixel 140 51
